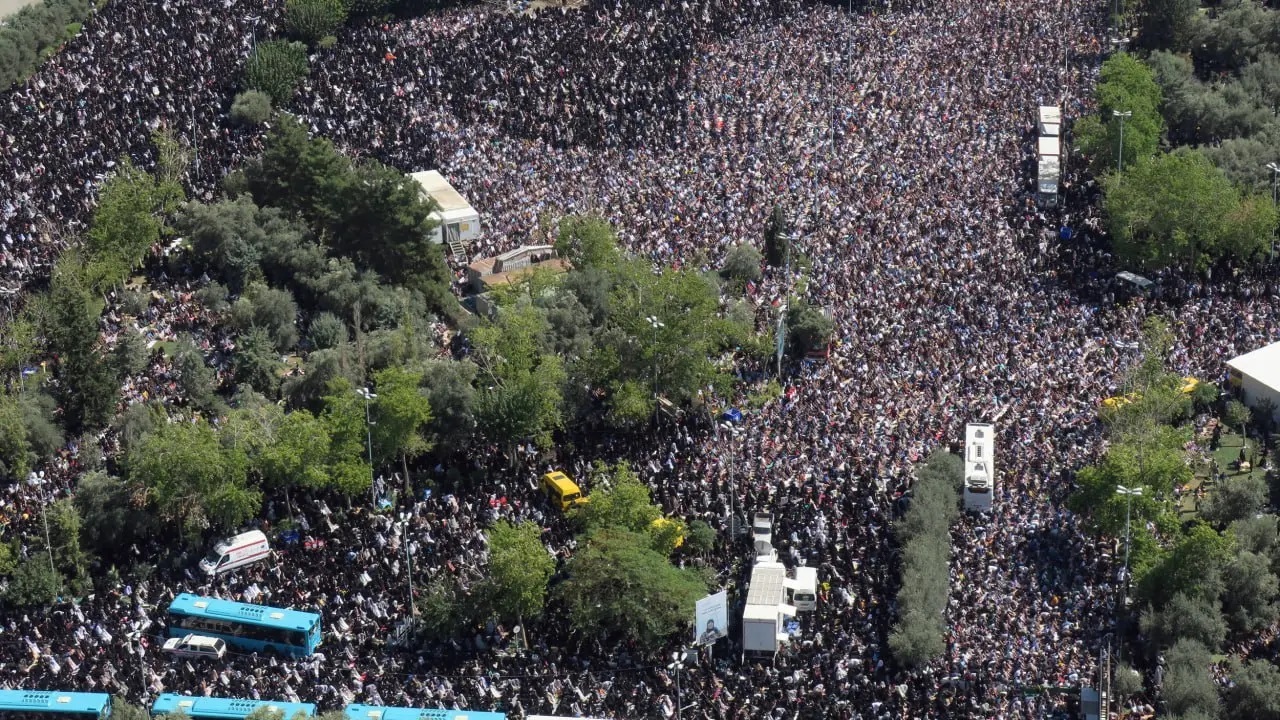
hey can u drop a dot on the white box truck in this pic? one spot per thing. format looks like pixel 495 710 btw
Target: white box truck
pixel 766 611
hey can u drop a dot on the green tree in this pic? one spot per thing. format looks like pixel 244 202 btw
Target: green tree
pixel 33 583
pixel 345 421
pixel 311 20
pixel 742 265
pixel 1169 24
pixel 127 222
pixel 1254 692
pixel 86 388
pixel 1126 85
pixel 15 450
pixel 622 502
pixel 1186 616
pixel 122 709
pixel 1237 415
pixel 1235 498
pixel 64 543
pixel 276 67
pixel 298 452
pixel 130 356
pixel 1152 458
pixel 1188 684
pixel 404 414
pixel 1177 209
pixel 192 480
pixel 452 398
pixel 256 362
pixel 618 586
pixel 1125 681
pixel 195 377
pixel 270 309
pixel 701 539
pixel 519 569
pixel 1255 534
pixel 297 173
pixel 326 331
pixel 521 395
pixel 808 327
pixel 588 241
pixel 113 516
pixel 1193 566
pixel 777 244
pixel 1249 592
pixel 251 107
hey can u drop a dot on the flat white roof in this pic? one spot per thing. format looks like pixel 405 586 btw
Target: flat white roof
pixel 1048 146
pixel 1263 365
pixel 434 184
pixel 767 589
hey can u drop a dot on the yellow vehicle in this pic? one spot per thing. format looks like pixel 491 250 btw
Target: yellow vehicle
pixel 1188 386
pixel 562 491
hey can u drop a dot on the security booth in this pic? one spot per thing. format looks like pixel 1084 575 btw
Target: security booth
pixel 457 222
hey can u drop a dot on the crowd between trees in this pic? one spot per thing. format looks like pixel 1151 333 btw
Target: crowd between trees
pixel 318 280
pixel 1201 586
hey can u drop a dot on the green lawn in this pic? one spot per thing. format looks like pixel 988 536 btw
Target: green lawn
pixel 1227 453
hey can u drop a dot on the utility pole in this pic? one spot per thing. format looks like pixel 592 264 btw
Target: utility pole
pixel 1129 494
pixel 1275 175
pixel 408 559
pixel 369 396
pixel 1120 156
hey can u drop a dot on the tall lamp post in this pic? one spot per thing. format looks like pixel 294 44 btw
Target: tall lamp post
pixel 734 434
pixel 1129 494
pixel 369 396
pixel 1275 176
pixel 657 325
pixel 1120 157
pixel 408 558
pixel 678 659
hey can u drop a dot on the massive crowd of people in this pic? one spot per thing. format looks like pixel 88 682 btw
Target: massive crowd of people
pixel 898 136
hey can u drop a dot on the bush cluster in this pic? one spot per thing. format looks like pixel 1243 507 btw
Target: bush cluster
pixel 29 34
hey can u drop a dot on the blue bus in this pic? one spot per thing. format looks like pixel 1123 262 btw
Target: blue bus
pixel 374 712
pixel 37 704
pixel 212 708
pixel 256 628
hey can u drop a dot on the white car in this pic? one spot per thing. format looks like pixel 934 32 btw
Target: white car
pixel 196 646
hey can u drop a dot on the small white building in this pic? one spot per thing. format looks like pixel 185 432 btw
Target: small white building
pixel 1049 120
pixel 458 221
pixel 1257 375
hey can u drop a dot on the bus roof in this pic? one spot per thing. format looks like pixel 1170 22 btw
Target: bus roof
pixel 55 700
pixel 375 712
pixel 230 708
pixel 262 615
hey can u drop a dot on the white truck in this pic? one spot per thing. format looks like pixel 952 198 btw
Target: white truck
pixel 766 612
pixel 762 537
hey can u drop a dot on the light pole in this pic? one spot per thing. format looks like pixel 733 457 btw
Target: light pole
pixel 36 480
pixel 678 659
pixel 657 325
pixel 408 560
pixel 1275 175
pixel 369 396
pixel 734 434
pixel 1120 156
pixel 1129 494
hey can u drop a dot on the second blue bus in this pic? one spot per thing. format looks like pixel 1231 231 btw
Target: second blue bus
pixel 256 628
pixel 212 708
pixel 375 712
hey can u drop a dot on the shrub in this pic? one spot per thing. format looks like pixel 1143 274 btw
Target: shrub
pixel 313 20
pixel 251 107
pixel 275 68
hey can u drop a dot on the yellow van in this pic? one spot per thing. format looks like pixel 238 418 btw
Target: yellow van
pixel 562 491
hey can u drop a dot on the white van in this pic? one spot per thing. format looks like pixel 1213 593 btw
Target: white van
pixel 804 594
pixel 235 552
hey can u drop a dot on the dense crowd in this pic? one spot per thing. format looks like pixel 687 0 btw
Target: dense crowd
pixel 898 136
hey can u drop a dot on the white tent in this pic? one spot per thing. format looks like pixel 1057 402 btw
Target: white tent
pixel 1257 374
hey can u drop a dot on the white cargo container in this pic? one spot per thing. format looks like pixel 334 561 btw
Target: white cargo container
pixel 766 612
pixel 457 220
pixel 979 466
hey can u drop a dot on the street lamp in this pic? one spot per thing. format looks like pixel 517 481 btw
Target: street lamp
pixel 678 659
pixel 408 558
pixel 657 325
pixel 1129 494
pixel 369 396
pixel 1122 116
pixel 1275 173
pixel 734 434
